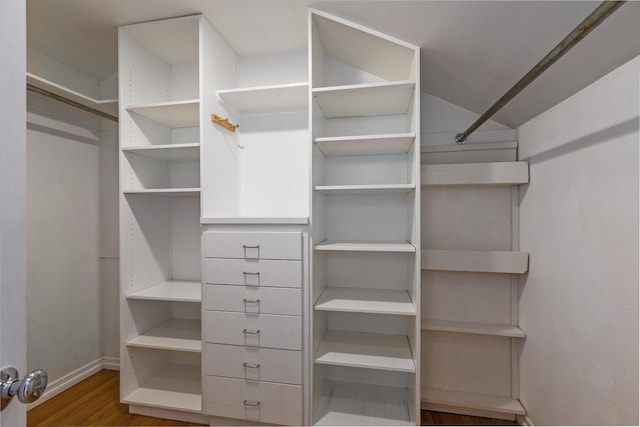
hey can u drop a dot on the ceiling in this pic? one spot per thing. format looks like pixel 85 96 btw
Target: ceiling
pixel 471 51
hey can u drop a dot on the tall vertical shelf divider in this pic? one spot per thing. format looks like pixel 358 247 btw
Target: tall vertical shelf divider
pixel 159 86
pixel 365 225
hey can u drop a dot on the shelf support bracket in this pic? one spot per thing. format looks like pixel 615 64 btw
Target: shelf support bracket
pixel 224 123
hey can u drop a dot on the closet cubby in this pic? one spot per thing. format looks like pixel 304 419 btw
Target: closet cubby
pixel 471 263
pixel 365 216
pixel 159 86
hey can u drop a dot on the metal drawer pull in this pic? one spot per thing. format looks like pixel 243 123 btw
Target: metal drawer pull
pixel 251 365
pixel 253 301
pixel 256 247
pixel 250 331
pixel 247 273
pixel 251 403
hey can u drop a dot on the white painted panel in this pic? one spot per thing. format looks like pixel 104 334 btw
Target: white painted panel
pixel 278 245
pixel 465 362
pixel 477 261
pixel 273 69
pixel 274 168
pixel 368 270
pixel 364 125
pixel 252 299
pixel 274 403
pixel 501 173
pixel 352 170
pixel 466 297
pixel 372 99
pixel 263 330
pixel 254 363
pixel 466 218
pixel 185 238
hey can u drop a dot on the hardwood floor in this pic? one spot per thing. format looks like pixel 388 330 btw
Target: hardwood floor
pixel 95 402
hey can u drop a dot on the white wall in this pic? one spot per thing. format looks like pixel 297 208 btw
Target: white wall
pixel 63 238
pixel 579 222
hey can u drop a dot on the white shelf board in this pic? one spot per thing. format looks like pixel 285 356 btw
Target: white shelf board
pixel 360 145
pixel 280 97
pixel 175 290
pixel 473 328
pixel 372 99
pixel 169 152
pixel 109 106
pixel 496 173
pixel 175 387
pixel 254 220
pixel 364 350
pixel 174 114
pixel 377 301
pixel 174 334
pixel 166 192
pixel 366 246
pixel 366 189
pixel 445 148
pixel 352 404
pixel 458 399
pixel 475 261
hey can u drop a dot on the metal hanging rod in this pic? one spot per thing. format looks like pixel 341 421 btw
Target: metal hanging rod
pixel 71 103
pixel 596 17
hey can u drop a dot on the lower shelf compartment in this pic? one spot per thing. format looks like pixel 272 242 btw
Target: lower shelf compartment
pixel 481 402
pixel 363 405
pixel 176 387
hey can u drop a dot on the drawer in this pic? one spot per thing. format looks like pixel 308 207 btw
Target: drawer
pixel 254 363
pixel 274 245
pixel 253 299
pixel 257 330
pixel 254 400
pixel 285 274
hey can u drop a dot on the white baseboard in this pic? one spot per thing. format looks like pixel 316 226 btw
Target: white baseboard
pixel 56 387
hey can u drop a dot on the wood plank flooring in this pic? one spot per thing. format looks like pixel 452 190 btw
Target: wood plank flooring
pixel 95 402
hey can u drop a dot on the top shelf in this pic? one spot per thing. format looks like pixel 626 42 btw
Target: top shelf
pixel 174 114
pixel 372 99
pixel 262 98
pixel 497 173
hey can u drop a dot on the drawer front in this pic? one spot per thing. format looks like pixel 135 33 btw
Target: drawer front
pixel 274 245
pixel 252 299
pixel 263 330
pixel 285 274
pixel 255 363
pixel 254 400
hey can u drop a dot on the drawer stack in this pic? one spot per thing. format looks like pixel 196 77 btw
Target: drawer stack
pixel 253 326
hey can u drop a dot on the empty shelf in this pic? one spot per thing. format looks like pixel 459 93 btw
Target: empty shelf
pixel 366 189
pixel 362 246
pixel 176 387
pixel 371 99
pixel 473 328
pixel 365 144
pixel 175 114
pixel 458 399
pixel 366 301
pixel 363 350
pixel 175 334
pixel 169 152
pixel 280 97
pixel 475 261
pixel 352 404
pixel 499 173
pixel 166 192
pixel 184 291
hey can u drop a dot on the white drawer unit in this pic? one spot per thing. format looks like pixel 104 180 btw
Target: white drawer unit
pixel 256 330
pixel 252 245
pixel 241 272
pixel 252 299
pixel 254 400
pixel 254 363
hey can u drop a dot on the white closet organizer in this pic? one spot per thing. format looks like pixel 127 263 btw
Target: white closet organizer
pixel 471 263
pixel 159 86
pixel 366 252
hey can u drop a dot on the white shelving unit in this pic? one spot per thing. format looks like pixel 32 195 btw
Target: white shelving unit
pixel 470 204
pixel 293 96
pixel 366 256
pixel 160 92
